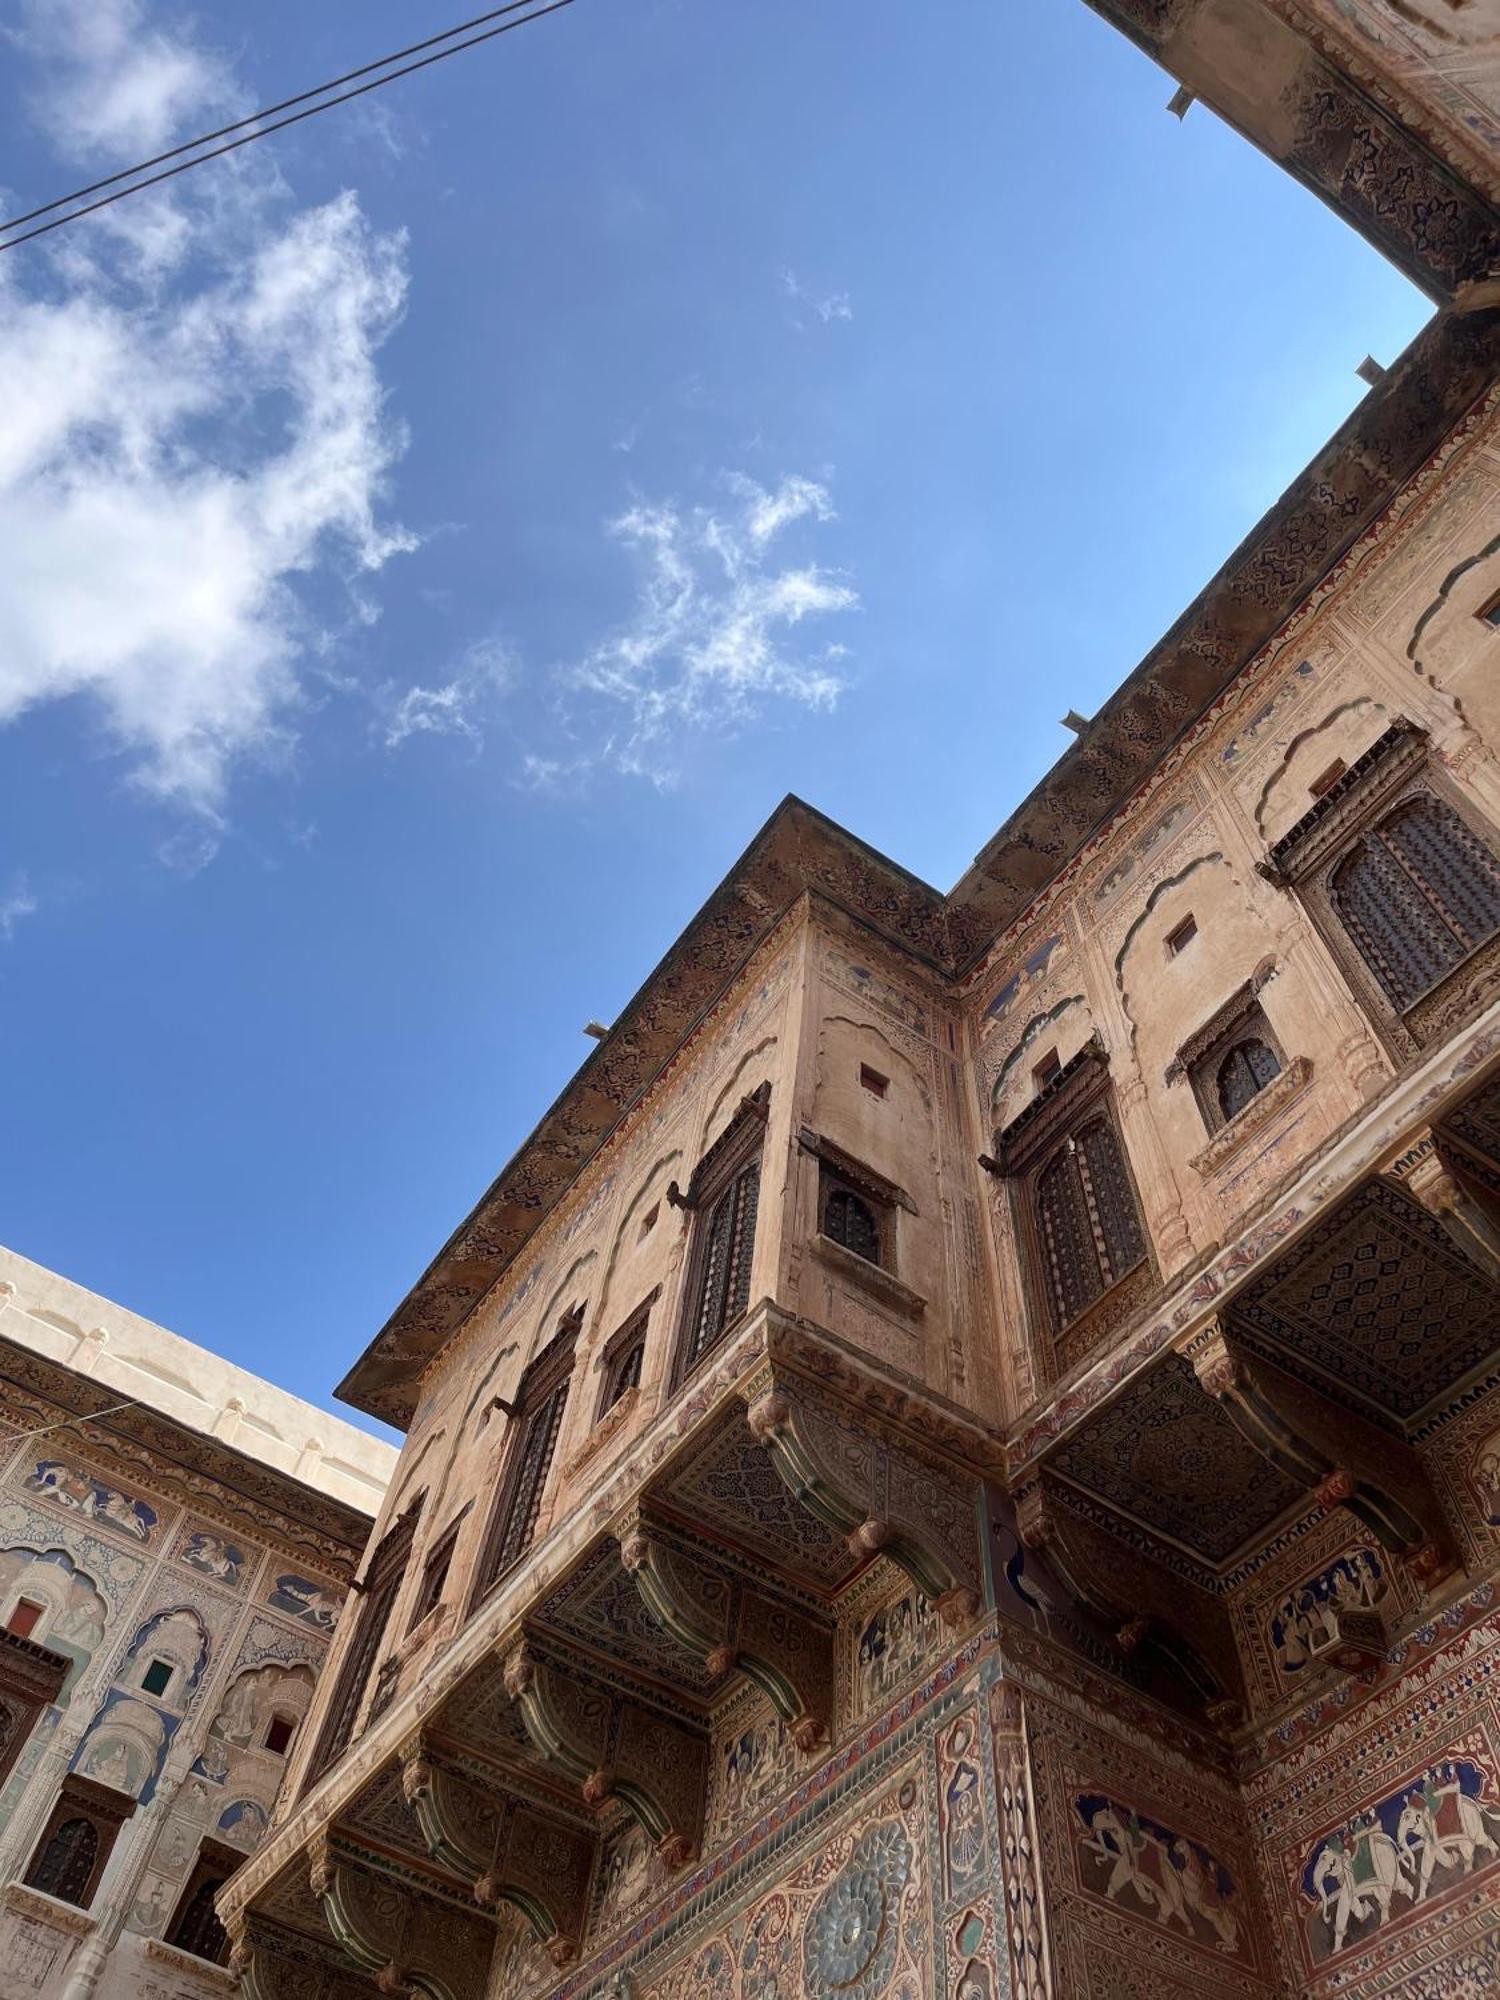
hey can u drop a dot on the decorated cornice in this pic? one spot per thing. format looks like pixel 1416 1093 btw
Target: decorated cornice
pixel 1387 439
pixel 146 1447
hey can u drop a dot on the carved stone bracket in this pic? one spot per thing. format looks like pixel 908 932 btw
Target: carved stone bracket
pixel 616 1749
pixel 1310 1453
pixel 731 1626
pixel 875 1490
pixel 1421 1169
pixel 1043 1528
pixel 387 1926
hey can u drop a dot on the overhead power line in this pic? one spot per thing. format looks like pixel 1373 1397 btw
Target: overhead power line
pixel 260 124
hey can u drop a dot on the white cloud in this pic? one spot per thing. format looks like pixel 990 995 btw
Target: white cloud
pixel 179 455
pixel 716 626
pixel 456 708
pixel 826 306
pixel 17 902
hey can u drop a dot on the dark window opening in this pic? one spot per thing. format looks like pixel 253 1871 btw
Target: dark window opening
pixel 1180 938
pixel 648 1220
pixel 65 1865
pixel 24 1620
pixel 1417 895
pixel 435 1577
pixel 1049 1067
pixel 532 1444
pixel 624 1358
pixel 387 1569
pixel 849 1221
pixel 1243 1073
pixel 1489 614
pixel 195 1925
pixel 728 1244
pixel 158 1677
pixel 873 1081
pixel 1086 1219
pixel 279 1735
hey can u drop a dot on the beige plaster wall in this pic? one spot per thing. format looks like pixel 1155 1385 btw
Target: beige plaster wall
pixel 51 1315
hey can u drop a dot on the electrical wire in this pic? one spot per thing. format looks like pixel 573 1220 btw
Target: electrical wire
pixel 517 14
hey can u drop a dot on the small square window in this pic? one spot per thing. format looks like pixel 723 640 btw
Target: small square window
pixel 279 1735
pixel 1178 940
pixel 1326 780
pixel 24 1620
pixel 1044 1071
pixel 158 1677
pixel 873 1081
pixel 1489 614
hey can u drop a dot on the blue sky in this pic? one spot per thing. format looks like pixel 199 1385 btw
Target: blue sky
pixel 436 542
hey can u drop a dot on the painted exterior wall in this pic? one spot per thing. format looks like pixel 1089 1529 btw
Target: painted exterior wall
pixel 224 1549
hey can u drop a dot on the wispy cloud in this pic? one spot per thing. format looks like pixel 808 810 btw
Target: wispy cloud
pixel 16 902
pixel 196 423
pixel 824 306
pixel 456 706
pixel 716 630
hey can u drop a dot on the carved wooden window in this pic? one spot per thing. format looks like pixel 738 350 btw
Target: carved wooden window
pixel 1242 1073
pixel 1234 1055
pixel 1417 895
pixel 1076 1208
pixel 724 1196
pixel 383 1583
pixel 1400 874
pixel 1085 1211
pixel 534 1430
pixel 624 1357
pixel 435 1574
pixel 70 1857
pixel 850 1220
pixel 195 1925
pixel 64 1866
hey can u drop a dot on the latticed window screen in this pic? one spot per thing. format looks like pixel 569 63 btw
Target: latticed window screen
pixel 65 1864
pixel 624 1370
pixel 1243 1072
pixel 1417 895
pixel 1086 1218
pixel 848 1219
pixel 724 1273
pixel 373 1615
pixel 197 1928
pixel 538 1444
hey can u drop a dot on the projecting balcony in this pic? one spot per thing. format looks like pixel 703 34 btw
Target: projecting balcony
pixel 578 1694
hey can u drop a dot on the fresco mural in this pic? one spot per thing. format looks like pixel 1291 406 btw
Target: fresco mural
pixel 79 1492
pixel 1428 1836
pixel 895 1642
pixel 1032 970
pixel 1308 1618
pixel 211 1555
pixel 1486 1479
pixel 1147 1869
pixel 753 1763
pixel 75 1615
pixel 300 1597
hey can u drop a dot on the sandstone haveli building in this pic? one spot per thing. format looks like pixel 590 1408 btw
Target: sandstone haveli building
pixel 962 1457
pixel 177 1538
